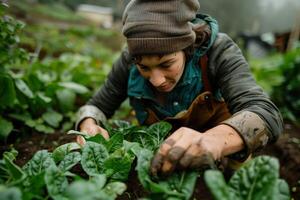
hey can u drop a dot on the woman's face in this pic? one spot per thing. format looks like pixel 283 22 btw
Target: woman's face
pixel 163 72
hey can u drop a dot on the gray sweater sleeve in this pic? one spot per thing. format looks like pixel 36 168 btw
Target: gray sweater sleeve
pixel 255 117
pixel 111 94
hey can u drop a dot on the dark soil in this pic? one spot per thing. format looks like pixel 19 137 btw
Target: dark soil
pixel 286 149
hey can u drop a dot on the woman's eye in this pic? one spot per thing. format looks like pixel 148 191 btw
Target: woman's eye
pixel 165 66
pixel 144 68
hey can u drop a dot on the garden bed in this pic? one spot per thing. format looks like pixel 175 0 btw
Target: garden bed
pixel 286 149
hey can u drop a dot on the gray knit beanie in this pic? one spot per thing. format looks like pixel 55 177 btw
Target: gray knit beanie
pixel 159 26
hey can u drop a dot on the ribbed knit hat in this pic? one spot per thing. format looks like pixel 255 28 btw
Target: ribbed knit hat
pixel 159 26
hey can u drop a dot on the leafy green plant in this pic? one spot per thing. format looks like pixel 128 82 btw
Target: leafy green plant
pixel 279 76
pixel 42 95
pixel 107 163
pixel 258 179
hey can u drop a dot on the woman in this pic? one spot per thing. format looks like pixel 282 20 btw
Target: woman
pixel 178 68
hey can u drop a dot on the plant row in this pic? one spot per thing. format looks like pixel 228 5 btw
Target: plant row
pixel 108 163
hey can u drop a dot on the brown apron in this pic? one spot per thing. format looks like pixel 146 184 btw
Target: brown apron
pixel 204 113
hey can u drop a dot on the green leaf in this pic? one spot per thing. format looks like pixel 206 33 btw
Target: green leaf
pixel 177 186
pixel 7 90
pixel 282 190
pixel 114 189
pixel 66 99
pixel 79 89
pixel 5 128
pixel 257 179
pixel 115 142
pixel 56 182
pixel 39 163
pixel 23 87
pixel 43 97
pixel 117 166
pixel 132 147
pixel 69 161
pixel 52 118
pixel 93 157
pixel 15 171
pixel 88 190
pixel 217 185
pixel 12 193
pixel 60 152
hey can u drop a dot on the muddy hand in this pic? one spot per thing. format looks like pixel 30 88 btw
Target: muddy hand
pixel 183 149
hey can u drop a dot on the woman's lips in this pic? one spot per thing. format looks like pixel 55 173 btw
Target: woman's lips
pixel 164 87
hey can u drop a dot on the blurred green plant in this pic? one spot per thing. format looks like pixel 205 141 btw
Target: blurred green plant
pixel 42 95
pixel 279 75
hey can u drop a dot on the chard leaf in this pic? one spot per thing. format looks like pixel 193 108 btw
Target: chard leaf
pixel 78 88
pixel 52 118
pixel 88 190
pixel 93 157
pixel 33 186
pixel 12 193
pixel 117 166
pixel 39 163
pixel 153 136
pixel 56 182
pixel 23 87
pixel 115 142
pixel 217 185
pixel 69 161
pixel 159 131
pixel 132 147
pixel 60 152
pixel 66 99
pixel 283 191
pixel 177 186
pixel 98 139
pixel 114 189
pixel 256 180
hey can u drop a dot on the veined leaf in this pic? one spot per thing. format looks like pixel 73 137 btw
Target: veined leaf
pixel 12 193
pixel 88 190
pixel 69 161
pixel 256 180
pixel 52 118
pixel 117 166
pixel 217 185
pixel 56 182
pixel 114 189
pixel 93 157
pixel 177 186
pixel 39 163
pixel 60 152
pixel 23 87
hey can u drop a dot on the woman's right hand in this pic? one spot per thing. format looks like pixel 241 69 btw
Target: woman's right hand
pixel 90 127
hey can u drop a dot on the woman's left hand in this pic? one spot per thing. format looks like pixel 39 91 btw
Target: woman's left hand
pixel 186 148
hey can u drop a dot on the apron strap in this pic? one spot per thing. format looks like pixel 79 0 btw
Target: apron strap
pixel 203 64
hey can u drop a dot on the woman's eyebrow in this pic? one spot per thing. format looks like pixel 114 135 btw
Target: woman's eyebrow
pixel 171 60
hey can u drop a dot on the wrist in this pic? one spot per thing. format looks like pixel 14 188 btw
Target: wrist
pixel 225 139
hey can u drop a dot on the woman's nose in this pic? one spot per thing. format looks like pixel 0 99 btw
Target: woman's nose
pixel 157 78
